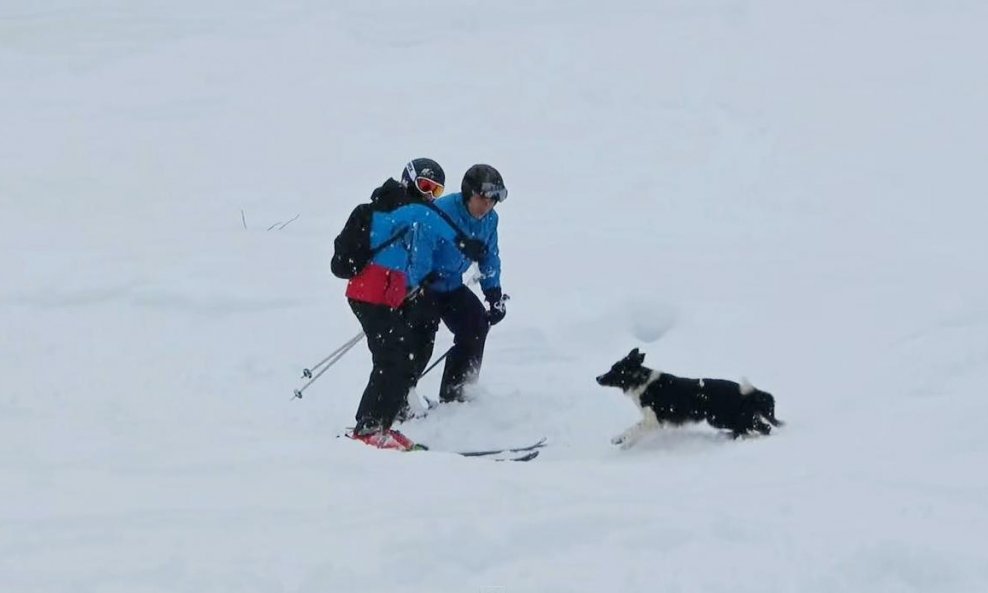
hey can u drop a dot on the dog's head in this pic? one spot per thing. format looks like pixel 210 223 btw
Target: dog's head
pixel 627 373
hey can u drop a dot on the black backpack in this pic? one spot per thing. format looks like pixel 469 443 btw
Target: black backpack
pixel 351 249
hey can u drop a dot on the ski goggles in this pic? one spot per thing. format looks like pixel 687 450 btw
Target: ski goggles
pixel 428 186
pixel 491 191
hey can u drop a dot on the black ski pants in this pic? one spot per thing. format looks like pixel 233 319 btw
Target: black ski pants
pixel 466 317
pixel 388 338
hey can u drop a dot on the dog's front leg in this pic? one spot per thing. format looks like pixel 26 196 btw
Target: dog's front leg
pixel 634 433
pixel 629 436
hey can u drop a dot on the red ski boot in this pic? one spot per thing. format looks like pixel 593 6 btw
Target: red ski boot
pixel 375 436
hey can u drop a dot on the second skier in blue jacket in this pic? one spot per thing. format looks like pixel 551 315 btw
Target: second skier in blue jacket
pixel 472 213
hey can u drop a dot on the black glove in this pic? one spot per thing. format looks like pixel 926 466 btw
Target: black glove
pixel 497 303
pixel 475 249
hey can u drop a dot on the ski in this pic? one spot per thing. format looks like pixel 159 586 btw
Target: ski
pixel 528 452
pixel 484 452
pixel 501 456
pixel 526 457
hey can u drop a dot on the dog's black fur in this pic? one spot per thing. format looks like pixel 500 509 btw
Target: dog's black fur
pixel 675 400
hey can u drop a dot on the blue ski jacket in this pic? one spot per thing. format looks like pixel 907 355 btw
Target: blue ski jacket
pixel 450 263
pixel 421 232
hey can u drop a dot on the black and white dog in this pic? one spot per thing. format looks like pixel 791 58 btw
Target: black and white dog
pixel 668 399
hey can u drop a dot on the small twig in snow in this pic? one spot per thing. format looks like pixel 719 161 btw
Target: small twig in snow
pixel 290 221
pixel 283 225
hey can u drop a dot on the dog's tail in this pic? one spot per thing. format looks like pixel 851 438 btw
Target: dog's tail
pixel 746 386
pixel 766 404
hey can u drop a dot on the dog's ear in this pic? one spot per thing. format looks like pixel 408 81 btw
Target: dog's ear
pixel 636 356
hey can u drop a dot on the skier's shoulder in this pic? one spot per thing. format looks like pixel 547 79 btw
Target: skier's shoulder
pixel 412 212
pixel 419 214
pixel 450 203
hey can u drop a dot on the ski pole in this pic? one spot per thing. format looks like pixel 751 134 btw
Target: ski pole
pixel 438 360
pixel 323 365
pixel 307 373
pixel 339 355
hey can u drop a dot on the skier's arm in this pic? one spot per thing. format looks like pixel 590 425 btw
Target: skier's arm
pixel 425 237
pixel 490 264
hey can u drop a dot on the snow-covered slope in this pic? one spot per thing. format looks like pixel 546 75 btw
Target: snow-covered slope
pixel 788 192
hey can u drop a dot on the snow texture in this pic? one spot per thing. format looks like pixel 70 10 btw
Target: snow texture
pixel 788 191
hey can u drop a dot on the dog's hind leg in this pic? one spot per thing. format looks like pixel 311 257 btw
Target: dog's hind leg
pixel 768 412
pixel 760 426
pixel 747 423
pixel 770 416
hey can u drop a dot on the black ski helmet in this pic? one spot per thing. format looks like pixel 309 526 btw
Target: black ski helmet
pixel 484 180
pixel 423 167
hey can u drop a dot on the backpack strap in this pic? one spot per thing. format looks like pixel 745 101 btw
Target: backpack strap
pixel 401 233
pixel 460 235
pixel 391 241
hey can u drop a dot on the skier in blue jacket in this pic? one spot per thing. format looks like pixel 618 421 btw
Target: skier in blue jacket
pixel 447 298
pixel 387 250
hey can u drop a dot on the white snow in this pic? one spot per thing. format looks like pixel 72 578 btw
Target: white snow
pixel 788 191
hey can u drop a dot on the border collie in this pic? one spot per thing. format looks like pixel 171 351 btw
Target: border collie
pixel 668 399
